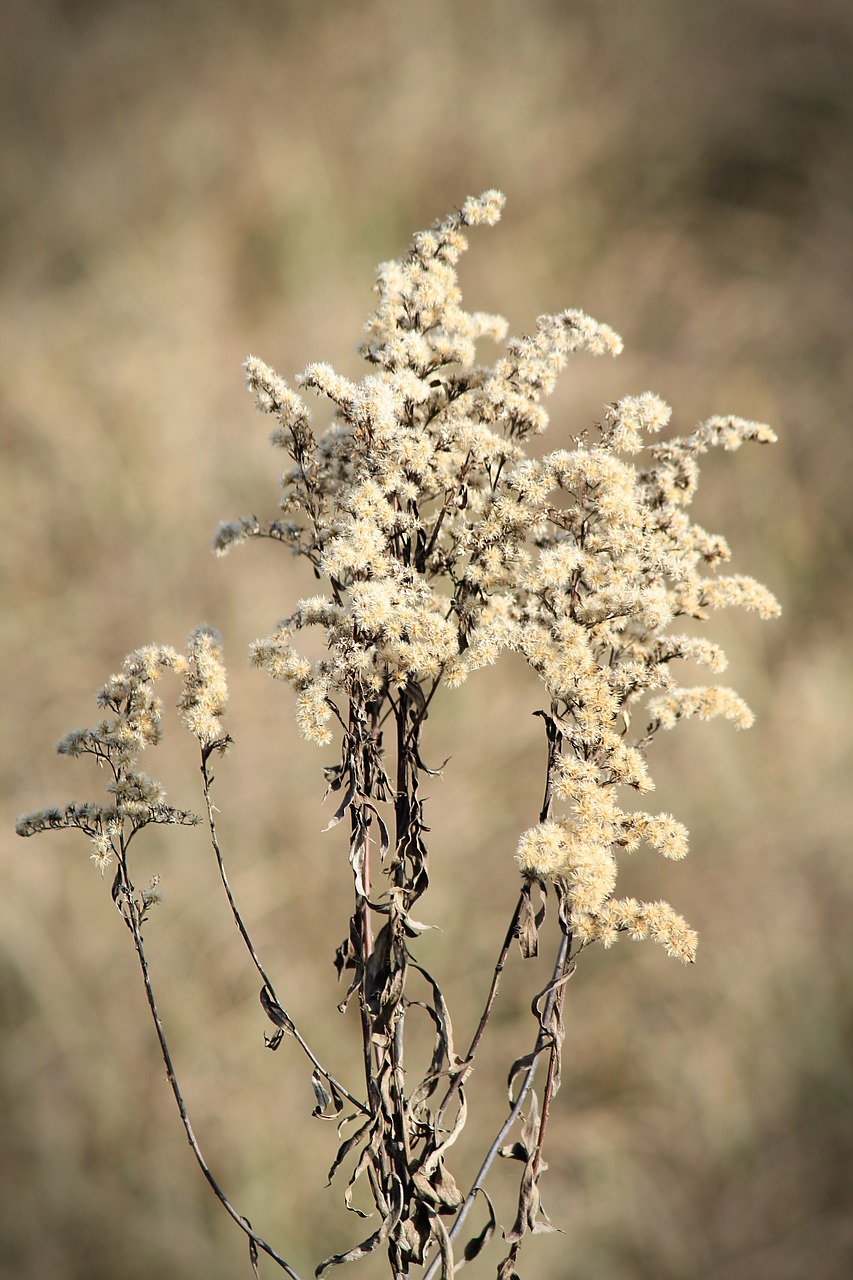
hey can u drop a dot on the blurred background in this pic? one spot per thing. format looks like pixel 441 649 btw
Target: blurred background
pixel 184 183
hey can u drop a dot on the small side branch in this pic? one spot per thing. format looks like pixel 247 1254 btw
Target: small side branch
pixel 468 1061
pixel 244 933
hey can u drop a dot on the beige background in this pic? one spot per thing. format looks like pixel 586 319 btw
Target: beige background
pixel 184 183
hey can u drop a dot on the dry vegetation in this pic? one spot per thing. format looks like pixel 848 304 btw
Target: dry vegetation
pixel 181 186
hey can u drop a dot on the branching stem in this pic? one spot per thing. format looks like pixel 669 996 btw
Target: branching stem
pixel 555 987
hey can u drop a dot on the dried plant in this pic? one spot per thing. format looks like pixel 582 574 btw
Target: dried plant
pixel 440 542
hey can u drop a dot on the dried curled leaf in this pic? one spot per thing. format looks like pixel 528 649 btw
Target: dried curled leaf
pixel 274 1011
pixel 477 1244
pixel 529 923
pixel 327 1095
pixel 372 1242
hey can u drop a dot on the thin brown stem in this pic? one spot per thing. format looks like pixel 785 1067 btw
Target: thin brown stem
pixel 468 1062
pixel 244 934
pixel 131 916
pixel 554 986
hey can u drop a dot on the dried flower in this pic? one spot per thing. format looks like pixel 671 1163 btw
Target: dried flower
pixel 439 543
pixel 134 723
pixel 204 696
pixel 443 544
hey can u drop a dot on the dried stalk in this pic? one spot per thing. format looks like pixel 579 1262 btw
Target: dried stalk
pixel 441 543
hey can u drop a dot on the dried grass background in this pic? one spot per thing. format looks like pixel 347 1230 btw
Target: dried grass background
pixel 181 184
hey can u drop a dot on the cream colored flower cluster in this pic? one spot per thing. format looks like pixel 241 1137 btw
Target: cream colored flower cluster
pixel 133 723
pixel 204 694
pixel 443 543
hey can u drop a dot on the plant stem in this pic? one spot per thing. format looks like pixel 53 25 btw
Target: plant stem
pixel 244 933
pixel 555 986
pixel 131 917
pixel 468 1062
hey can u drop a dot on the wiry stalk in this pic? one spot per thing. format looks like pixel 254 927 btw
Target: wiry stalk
pixel 131 915
pixel 554 989
pixel 269 998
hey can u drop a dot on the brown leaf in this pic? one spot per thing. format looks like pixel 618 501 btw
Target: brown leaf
pixel 347 1146
pixel 477 1244
pixel 274 1011
pixel 372 1242
pixel 529 924
pixel 321 1093
pixel 438 1188
pixel 522 1064
pixel 345 803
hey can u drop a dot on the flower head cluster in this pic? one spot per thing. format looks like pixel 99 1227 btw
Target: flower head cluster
pixel 132 723
pixel 444 543
pixel 204 693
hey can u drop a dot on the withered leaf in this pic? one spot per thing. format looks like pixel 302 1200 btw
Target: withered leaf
pixel 514 1151
pixel 431 1080
pixel 347 952
pixel 372 1242
pixel 444 1044
pixel 385 972
pixel 531 1216
pixel 274 1011
pixel 438 1188
pixel 363 1164
pixel 522 1064
pixel 417 696
pixel 344 805
pixel 414 1234
pixel 115 891
pixel 439 1231
pixel 333 773
pixel 507 1270
pixel 530 1128
pixel 529 924
pixel 346 1147
pixel 477 1244
pixel 357 854
pixel 384 839
pixel 321 1093
pixel 413 928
